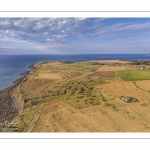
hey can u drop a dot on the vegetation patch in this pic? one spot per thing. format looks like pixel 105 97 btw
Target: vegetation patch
pixel 112 106
pixel 133 75
pixel 79 93
pixel 140 62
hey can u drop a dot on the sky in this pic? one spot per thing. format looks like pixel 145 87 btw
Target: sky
pixel 74 35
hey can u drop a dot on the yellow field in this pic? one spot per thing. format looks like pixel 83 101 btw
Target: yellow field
pixel 111 68
pixel 62 117
pixel 144 85
pixel 48 76
pixel 131 68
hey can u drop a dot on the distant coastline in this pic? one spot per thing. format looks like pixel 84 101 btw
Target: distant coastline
pixel 11 66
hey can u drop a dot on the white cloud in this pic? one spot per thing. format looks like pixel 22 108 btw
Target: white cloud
pixel 50 33
pixel 60 36
pixel 123 29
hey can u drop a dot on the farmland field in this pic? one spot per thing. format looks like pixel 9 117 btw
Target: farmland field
pixel 131 68
pixel 103 74
pixel 129 75
pixel 84 97
pixel 111 68
pixel 144 85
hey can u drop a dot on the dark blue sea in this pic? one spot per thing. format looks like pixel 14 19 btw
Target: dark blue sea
pixel 11 66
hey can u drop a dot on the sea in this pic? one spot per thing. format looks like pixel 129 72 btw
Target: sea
pixel 11 66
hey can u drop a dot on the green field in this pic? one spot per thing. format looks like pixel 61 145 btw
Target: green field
pixel 133 75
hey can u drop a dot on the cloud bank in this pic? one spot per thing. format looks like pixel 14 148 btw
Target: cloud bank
pixel 74 35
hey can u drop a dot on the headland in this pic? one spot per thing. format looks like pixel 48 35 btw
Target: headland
pixel 91 96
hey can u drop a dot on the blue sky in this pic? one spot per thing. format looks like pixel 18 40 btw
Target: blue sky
pixel 74 35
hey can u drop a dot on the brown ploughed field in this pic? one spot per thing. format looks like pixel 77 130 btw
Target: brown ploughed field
pixel 105 74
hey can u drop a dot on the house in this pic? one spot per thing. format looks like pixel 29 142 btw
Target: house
pixel 95 63
pixel 127 99
pixel 112 64
pixel 142 67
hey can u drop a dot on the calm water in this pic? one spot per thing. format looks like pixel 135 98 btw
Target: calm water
pixel 11 66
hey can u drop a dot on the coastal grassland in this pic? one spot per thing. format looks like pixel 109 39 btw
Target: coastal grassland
pixel 41 87
pixel 133 75
pixel 27 120
pixel 80 92
pixel 81 97
pixel 68 82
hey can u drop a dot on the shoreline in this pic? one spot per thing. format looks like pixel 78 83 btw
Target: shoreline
pixel 8 104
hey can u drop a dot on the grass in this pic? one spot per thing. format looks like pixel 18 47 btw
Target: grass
pixel 133 75
pixel 103 98
pixel 144 104
pixel 112 106
pixel 78 93
pixel 28 118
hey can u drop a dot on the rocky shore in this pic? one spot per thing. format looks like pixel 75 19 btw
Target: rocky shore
pixel 8 103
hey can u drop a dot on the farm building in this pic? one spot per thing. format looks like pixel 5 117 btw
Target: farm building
pixel 127 99
pixel 142 67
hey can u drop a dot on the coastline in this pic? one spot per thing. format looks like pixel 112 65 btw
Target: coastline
pixel 9 108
